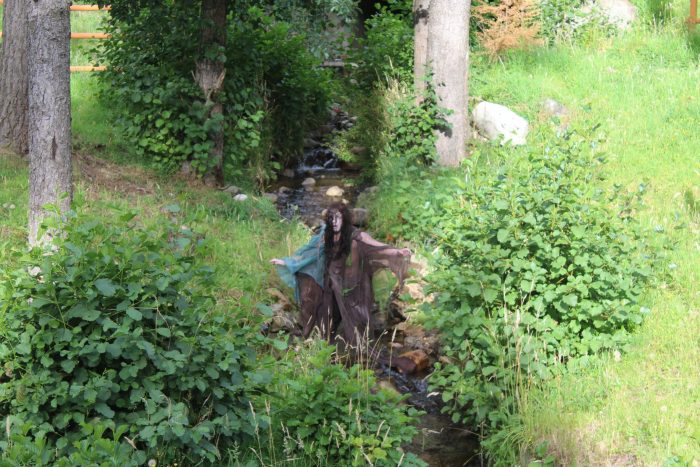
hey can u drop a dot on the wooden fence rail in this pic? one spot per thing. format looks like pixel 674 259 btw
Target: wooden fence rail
pixel 84 35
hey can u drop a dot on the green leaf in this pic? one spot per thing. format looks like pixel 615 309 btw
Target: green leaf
pixel 68 365
pixel 571 300
pixel 502 235
pixel 134 314
pixel 104 410
pixel 106 287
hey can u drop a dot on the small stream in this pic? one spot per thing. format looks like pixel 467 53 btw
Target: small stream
pixel 439 442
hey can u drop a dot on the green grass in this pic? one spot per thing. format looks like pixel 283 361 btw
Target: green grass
pixel 642 88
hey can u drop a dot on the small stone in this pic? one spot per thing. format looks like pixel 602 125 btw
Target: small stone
pixel 553 108
pixel 271 196
pixel 359 217
pixel 419 359
pixel 358 150
pixel 186 168
pixel 284 190
pixel 240 197
pixel 308 183
pixel 233 190
pixel 335 192
pixel 289 173
pixel 311 143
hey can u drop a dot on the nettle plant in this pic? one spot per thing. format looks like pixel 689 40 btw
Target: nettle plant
pixel 327 414
pixel 119 324
pixel 538 268
pixel 413 126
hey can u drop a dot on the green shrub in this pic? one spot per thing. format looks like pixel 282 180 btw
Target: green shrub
pixel 331 415
pixel 21 449
pixel 119 323
pixel 537 268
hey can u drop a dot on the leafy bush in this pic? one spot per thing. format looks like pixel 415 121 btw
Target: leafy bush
pixel 119 323
pixel 273 88
pixel 330 415
pixel 537 268
pixel 21 449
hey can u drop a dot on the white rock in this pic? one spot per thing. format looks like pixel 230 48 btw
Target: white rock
pixel 620 13
pixel 284 190
pixel 240 197
pixel 498 122
pixel 335 192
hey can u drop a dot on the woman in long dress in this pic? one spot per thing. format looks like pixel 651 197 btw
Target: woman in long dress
pixel 332 279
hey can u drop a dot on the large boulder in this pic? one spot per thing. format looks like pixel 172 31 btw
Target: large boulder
pixel 497 122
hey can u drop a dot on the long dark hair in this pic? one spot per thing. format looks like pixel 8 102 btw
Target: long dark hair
pixel 346 229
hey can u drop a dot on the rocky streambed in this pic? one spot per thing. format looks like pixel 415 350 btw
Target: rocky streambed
pixel 304 192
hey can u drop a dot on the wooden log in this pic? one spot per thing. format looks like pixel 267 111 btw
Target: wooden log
pixel 81 68
pixel 83 7
pixel 85 35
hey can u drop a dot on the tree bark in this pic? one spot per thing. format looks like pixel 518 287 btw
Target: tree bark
pixel 13 77
pixel 50 171
pixel 420 43
pixel 448 55
pixel 210 75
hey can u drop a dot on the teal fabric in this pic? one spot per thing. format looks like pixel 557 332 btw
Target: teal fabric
pixel 309 259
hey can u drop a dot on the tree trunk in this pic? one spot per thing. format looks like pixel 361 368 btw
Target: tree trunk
pixel 210 78
pixel 13 77
pixel 448 54
pixel 50 174
pixel 420 43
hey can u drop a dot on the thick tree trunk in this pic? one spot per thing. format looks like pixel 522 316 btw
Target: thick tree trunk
pixel 210 77
pixel 50 174
pixel 420 43
pixel 448 55
pixel 13 77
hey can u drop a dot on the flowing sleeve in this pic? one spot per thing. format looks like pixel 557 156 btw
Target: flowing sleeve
pixel 308 259
pixel 380 255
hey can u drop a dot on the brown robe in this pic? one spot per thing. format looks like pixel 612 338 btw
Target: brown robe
pixel 341 309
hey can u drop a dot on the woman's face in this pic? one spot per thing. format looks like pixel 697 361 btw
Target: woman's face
pixel 337 221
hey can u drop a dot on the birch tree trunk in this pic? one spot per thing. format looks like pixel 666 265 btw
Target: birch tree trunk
pixel 448 55
pixel 50 172
pixel 420 43
pixel 13 77
pixel 209 75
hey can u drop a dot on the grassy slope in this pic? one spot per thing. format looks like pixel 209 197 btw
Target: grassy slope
pixel 643 89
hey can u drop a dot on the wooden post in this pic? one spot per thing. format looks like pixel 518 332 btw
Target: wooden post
pixel 693 18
